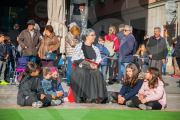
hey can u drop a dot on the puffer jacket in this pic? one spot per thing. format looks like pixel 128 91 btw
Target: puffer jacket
pixel 48 43
pixel 70 44
pixel 31 43
pixel 104 52
pixel 29 85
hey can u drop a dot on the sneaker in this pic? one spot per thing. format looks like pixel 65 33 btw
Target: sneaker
pixel 130 104
pixel 145 107
pixel 112 100
pixel 175 76
pixel 3 82
pixel 37 104
pixel 114 80
pixel 55 102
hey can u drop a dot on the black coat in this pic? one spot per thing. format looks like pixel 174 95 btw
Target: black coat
pixel 157 48
pixel 29 85
pixel 177 49
pixel 13 35
pixel 3 51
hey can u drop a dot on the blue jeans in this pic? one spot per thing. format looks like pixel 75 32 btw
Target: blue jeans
pixel 11 66
pixel 164 67
pixel 103 70
pixel 30 58
pixel 119 72
pixel 123 67
pixel 69 66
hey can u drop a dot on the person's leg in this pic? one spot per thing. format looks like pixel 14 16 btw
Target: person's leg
pixel 115 96
pixel 153 63
pixel 111 71
pixel 108 65
pixel 164 67
pixel 123 66
pixel 120 73
pixel 159 65
pixel 154 104
pixel 27 57
pixel 103 69
pixel 47 100
pixel 178 62
pixel 69 66
pixel 29 100
pixel 2 70
pixel 9 66
pixel 136 101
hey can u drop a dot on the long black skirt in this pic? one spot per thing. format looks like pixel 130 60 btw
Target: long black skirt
pixel 87 83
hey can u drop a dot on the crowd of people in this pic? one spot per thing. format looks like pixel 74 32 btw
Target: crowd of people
pixel 139 70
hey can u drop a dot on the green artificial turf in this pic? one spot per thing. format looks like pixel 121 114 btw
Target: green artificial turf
pixel 86 114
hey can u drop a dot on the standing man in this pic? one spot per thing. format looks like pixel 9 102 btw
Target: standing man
pixel 29 40
pixel 126 49
pixel 177 52
pixel 120 35
pixel 157 48
pixel 13 35
pixel 146 38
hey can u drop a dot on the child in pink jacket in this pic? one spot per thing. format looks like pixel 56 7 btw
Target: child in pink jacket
pixel 152 93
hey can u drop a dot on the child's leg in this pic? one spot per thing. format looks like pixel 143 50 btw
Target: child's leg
pixel 69 66
pixel 10 66
pixel 115 96
pixel 103 68
pixel 2 69
pixel 29 100
pixel 154 104
pixel 47 100
pixel 136 101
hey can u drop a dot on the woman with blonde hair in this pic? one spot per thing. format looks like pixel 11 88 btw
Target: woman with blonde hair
pixel 112 58
pixel 71 42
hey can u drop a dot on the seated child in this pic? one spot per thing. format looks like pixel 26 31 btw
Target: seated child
pixel 152 94
pixel 131 85
pixel 56 84
pixel 47 86
pixel 12 55
pixel 30 91
pixel 104 52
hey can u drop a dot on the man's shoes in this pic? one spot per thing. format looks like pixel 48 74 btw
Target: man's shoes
pixel 164 74
pixel 175 76
pixel 37 104
pixel 3 82
pixel 145 107
pixel 119 82
pixel 55 102
pixel 68 84
pixel 114 80
pixel 110 82
pixel 130 103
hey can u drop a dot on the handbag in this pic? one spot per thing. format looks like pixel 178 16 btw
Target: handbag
pixel 50 56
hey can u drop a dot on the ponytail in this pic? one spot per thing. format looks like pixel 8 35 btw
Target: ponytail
pixel 112 30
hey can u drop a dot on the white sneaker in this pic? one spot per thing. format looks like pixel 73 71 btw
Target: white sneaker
pixel 37 104
pixel 55 102
pixel 145 107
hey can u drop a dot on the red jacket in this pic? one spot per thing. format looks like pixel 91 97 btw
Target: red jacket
pixel 116 41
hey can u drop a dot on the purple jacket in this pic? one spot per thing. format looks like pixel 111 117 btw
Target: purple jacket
pixel 154 94
pixel 126 49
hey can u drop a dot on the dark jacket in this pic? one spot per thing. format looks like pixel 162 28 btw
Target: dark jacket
pixel 127 92
pixel 177 48
pixel 29 85
pixel 120 35
pixel 31 43
pixel 13 35
pixel 12 52
pixel 145 56
pixel 126 49
pixel 47 86
pixel 104 52
pixel 56 86
pixel 157 48
pixel 3 51
pixel 145 41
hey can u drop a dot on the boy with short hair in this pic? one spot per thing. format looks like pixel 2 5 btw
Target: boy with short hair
pixel 3 57
pixel 104 52
pixel 12 55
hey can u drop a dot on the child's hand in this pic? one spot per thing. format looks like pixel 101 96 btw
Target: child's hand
pixel 140 97
pixel 42 96
pixel 53 97
pixel 143 101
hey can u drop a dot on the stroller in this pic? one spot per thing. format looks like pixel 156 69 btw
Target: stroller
pixel 19 68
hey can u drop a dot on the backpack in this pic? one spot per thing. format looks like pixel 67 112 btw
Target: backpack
pixel 110 46
pixel 21 63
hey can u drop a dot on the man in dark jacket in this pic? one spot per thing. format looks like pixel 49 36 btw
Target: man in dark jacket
pixel 3 57
pixel 120 35
pixel 126 49
pixel 30 40
pixel 157 48
pixel 177 52
pixel 146 38
pixel 13 35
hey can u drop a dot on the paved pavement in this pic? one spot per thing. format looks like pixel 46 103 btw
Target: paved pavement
pixel 8 96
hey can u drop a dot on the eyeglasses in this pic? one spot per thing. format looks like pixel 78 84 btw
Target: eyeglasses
pixel 126 30
pixel 147 72
pixel 93 35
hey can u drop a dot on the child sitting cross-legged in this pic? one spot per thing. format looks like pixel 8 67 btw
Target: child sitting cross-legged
pixel 47 86
pixel 152 94
pixel 56 85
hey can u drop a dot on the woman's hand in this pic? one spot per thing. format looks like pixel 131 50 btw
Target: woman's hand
pixel 50 51
pixel 42 96
pixel 93 66
pixel 143 101
pixel 140 97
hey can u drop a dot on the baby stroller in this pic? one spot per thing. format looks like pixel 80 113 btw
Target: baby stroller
pixel 19 68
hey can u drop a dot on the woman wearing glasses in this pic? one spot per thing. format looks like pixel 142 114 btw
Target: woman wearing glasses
pixel 87 81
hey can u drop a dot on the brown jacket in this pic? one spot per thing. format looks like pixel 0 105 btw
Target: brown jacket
pixel 70 43
pixel 48 43
pixel 31 43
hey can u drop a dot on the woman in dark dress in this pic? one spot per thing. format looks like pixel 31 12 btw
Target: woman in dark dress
pixel 87 82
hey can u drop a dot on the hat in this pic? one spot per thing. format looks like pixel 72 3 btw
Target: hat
pixel 72 24
pixel 31 22
pixel 16 25
pixel 121 26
